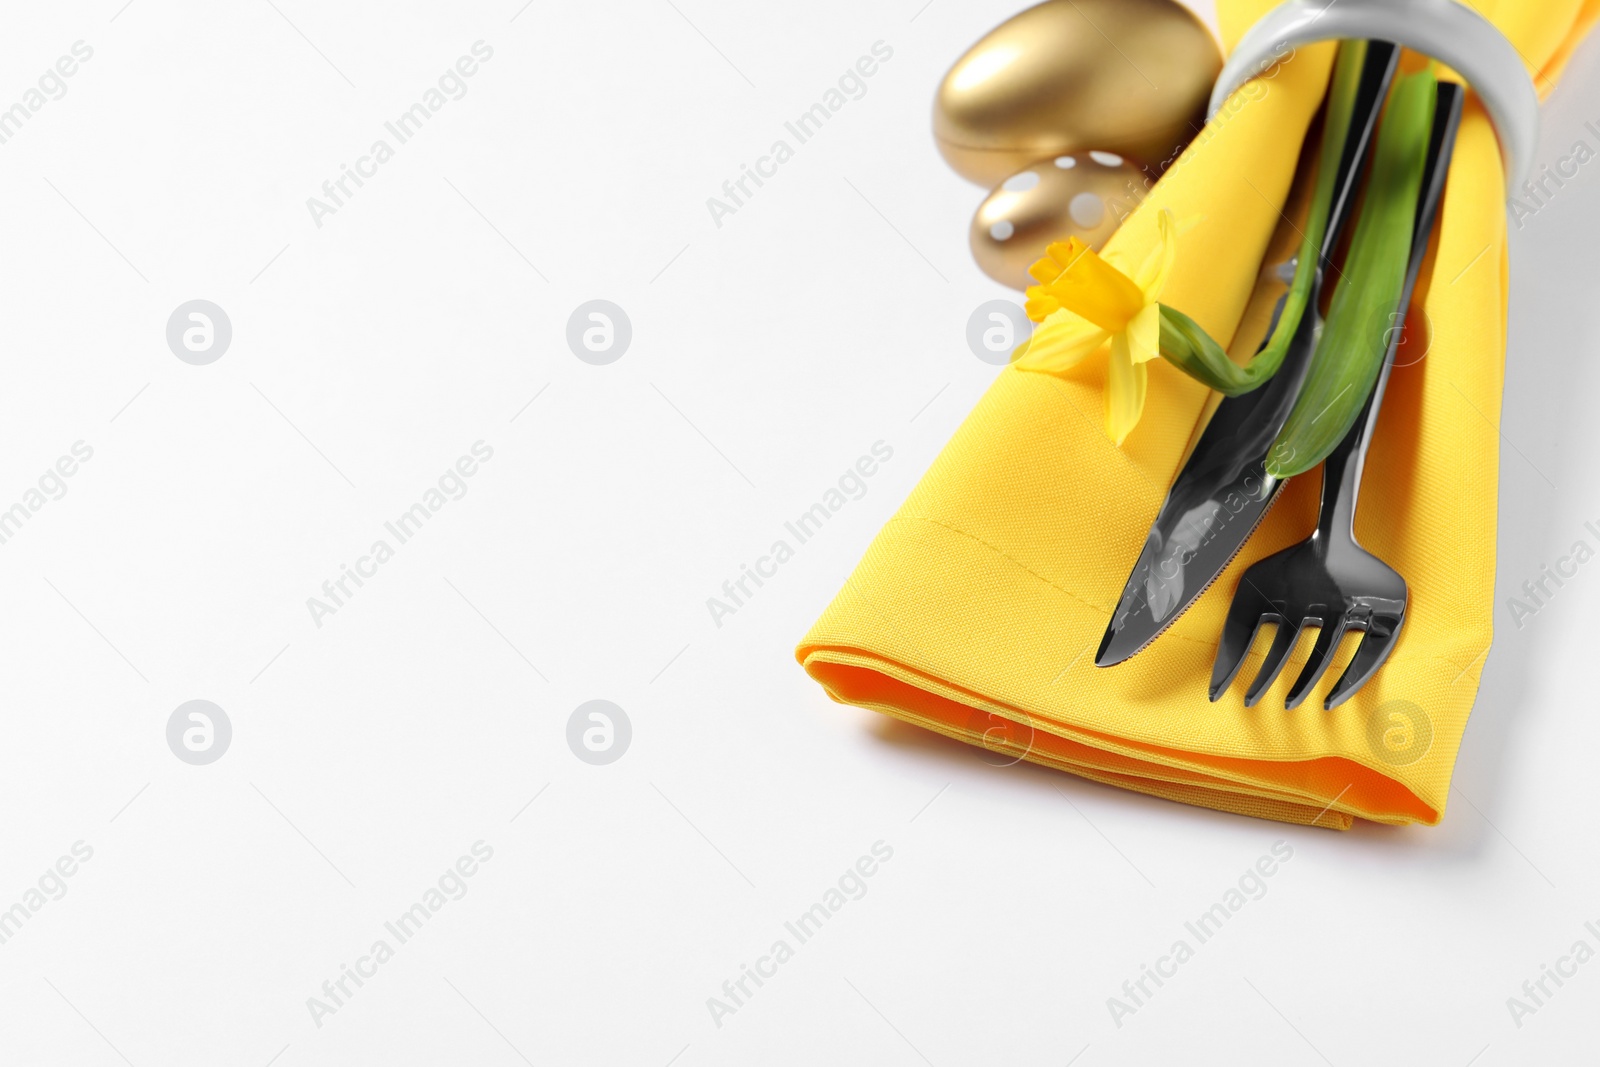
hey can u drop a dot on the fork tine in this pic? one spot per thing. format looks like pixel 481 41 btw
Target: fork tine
pixel 1328 637
pixel 1282 644
pixel 1245 617
pixel 1382 630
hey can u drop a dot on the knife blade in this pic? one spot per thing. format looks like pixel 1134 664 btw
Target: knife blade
pixel 1223 490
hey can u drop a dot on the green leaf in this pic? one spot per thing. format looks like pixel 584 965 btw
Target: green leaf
pixel 1366 297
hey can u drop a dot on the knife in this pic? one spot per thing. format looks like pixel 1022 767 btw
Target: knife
pixel 1224 490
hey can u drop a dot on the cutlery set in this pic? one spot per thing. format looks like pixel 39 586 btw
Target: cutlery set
pixel 1327 582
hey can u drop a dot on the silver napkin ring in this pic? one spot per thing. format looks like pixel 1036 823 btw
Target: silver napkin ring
pixel 1446 30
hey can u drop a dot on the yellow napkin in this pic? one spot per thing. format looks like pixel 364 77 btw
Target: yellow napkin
pixel 977 610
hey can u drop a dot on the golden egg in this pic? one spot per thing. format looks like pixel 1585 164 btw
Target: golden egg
pixel 1123 76
pixel 1085 195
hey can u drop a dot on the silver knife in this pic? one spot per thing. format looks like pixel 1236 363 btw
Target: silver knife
pixel 1224 490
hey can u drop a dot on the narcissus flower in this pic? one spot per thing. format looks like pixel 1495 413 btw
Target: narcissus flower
pixel 1086 304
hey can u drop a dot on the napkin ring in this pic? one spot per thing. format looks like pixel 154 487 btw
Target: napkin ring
pixel 1446 30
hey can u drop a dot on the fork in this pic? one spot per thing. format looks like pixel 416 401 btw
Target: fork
pixel 1328 580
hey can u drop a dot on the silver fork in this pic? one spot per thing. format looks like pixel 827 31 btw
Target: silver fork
pixel 1328 580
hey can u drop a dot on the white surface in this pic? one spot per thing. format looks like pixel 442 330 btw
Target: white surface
pixel 369 754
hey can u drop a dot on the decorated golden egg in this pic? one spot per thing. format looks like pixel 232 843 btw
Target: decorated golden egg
pixel 1129 77
pixel 1085 195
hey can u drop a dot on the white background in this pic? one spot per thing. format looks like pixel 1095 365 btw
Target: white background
pixel 767 355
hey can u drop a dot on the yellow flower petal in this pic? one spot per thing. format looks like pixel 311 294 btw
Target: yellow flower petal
pixel 1125 391
pixel 1151 276
pixel 1041 305
pixel 1057 257
pixel 1083 301
pixel 1060 342
pixel 1144 334
pixel 1080 281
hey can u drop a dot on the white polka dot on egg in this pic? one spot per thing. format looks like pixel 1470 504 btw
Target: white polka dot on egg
pixel 1087 210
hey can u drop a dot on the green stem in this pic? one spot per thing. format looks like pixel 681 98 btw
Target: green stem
pixel 1188 347
pixel 1335 132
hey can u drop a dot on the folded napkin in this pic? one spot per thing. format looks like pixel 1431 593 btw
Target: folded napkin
pixel 977 610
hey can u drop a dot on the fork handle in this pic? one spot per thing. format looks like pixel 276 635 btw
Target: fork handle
pixel 1341 471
